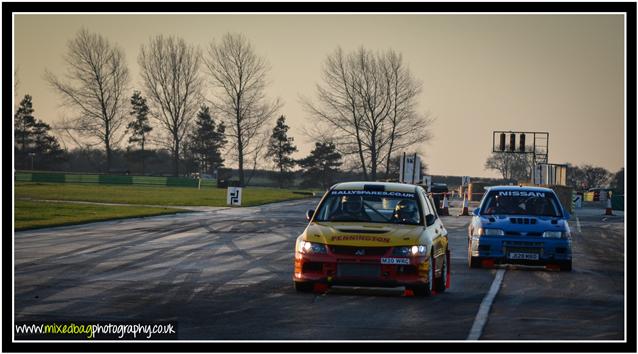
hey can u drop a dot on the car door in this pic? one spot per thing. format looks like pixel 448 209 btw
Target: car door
pixel 436 231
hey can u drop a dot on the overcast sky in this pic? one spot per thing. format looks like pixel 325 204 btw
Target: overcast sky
pixel 557 73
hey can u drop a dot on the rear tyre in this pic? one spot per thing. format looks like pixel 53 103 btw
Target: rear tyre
pixel 304 287
pixel 440 284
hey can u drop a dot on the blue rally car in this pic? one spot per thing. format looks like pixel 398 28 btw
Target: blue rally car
pixel 520 225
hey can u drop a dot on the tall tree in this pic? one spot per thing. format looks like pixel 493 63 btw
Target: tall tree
pixel 238 75
pixel 34 145
pixel 206 141
pixel 170 71
pixel 618 182
pixel 94 86
pixel 139 127
pixel 368 104
pixel 322 164
pixel 280 147
pixel 23 123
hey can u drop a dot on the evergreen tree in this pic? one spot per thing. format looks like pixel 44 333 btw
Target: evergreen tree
pixel 321 165
pixel 23 122
pixel 206 141
pixel 35 147
pixel 139 127
pixel 280 147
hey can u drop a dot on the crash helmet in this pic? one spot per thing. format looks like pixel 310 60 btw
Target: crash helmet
pixel 406 210
pixel 352 203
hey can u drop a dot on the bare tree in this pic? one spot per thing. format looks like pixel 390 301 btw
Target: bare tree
pixel 170 71
pixel 94 86
pixel 510 165
pixel 368 103
pixel 238 76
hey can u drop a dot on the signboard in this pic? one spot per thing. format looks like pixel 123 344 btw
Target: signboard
pixel 233 196
pixel 410 169
pixel 465 181
pixel 551 174
pixel 427 180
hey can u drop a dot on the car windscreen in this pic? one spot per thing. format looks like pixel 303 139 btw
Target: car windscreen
pixel 370 206
pixel 521 202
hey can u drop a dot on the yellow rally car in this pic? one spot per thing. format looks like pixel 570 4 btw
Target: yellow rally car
pixel 374 234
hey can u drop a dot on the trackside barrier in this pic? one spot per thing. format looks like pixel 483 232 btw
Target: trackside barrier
pixel 617 202
pixel 52 177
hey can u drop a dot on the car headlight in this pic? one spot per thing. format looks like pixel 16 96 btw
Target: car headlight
pixel 306 247
pixel 554 234
pixel 409 251
pixel 490 232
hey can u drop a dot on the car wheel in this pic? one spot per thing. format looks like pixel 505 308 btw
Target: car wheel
pixel 440 284
pixel 566 266
pixel 304 286
pixel 472 262
pixel 426 290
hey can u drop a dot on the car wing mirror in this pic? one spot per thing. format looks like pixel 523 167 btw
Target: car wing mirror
pixel 475 212
pixel 566 215
pixel 429 219
pixel 309 214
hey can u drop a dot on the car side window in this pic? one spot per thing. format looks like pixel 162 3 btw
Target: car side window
pixel 428 209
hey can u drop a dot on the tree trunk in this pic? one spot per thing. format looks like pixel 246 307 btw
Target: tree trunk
pixel 108 156
pixel 176 157
pixel 143 156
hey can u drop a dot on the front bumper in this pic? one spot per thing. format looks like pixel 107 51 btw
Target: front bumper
pixel 340 269
pixel 521 250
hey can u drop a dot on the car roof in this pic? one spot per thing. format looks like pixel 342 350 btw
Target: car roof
pixel 520 188
pixel 388 186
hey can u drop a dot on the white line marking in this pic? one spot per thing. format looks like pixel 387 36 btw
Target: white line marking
pixel 578 225
pixel 481 316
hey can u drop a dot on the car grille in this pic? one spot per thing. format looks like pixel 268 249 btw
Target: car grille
pixel 359 251
pixel 357 270
pixel 522 244
pixel 525 221
pixel 514 233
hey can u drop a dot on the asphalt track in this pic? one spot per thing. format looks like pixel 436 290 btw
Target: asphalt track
pixel 225 274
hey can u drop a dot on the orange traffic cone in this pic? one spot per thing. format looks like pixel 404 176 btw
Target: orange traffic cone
pixel 608 209
pixel 465 205
pixel 445 211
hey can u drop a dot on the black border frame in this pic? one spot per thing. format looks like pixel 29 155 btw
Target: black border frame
pixel 629 8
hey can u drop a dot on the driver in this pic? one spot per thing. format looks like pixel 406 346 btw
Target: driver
pixel 406 212
pixel 351 209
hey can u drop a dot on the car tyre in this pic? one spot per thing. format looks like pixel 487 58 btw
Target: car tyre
pixel 566 266
pixel 440 283
pixel 304 286
pixel 472 262
pixel 426 290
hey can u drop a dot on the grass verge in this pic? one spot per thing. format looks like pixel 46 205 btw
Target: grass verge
pixel 35 215
pixel 152 195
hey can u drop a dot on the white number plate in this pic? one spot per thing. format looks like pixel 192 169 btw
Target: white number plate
pixel 518 255
pixel 395 261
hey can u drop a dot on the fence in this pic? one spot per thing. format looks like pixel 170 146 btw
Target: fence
pixel 53 177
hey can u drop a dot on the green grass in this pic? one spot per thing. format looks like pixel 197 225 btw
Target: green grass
pixel 152 195
pixel 33 215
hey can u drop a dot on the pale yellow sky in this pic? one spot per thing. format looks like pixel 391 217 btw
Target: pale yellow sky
pixel 557 73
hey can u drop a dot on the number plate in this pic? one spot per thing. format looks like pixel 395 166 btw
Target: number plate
pixel 395 261
pixel 519 255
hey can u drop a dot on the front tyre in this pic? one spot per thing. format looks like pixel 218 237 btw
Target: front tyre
pixel 304 286
pixel 566 266
pixel 472 262
pixel 426 290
